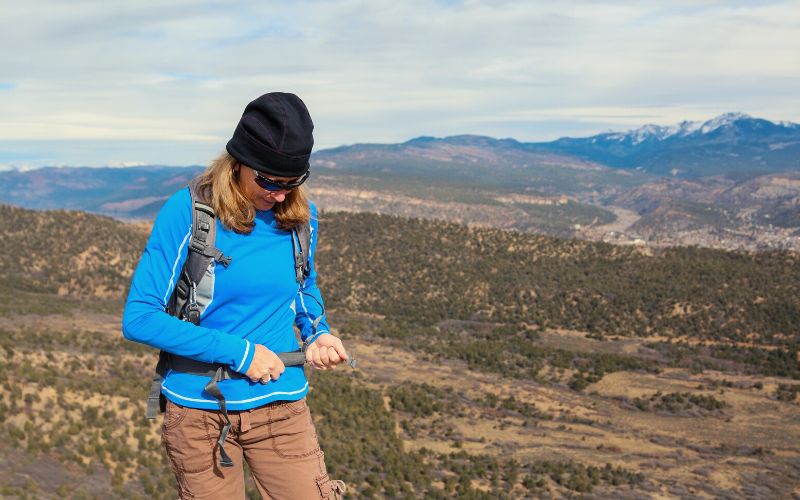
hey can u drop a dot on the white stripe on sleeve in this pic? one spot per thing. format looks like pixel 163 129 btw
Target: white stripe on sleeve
pixel 246 352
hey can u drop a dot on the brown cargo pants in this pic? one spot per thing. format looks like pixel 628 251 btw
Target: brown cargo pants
pixel 277 440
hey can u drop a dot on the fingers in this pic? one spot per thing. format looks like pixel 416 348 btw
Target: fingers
pixel 265 366
pixel 340 351
pixel 333 357
pixel 264 377
pixel 316 358
pixel 328 357
pixel 267 374
pixel 326 352
pixel 324 357
pixel 270 372
pixel 276 371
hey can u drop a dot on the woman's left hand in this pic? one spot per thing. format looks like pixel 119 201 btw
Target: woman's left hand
pixel 326 352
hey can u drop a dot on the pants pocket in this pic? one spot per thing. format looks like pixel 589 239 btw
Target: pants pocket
pixel 186 437
pixel 295 436
pixel 174 415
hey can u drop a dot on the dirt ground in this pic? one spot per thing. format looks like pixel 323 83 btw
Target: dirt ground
pixel 750 448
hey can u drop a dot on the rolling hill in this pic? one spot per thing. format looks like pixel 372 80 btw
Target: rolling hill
pixel 492 364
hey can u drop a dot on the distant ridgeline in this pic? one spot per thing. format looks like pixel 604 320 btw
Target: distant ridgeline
pixel 730 182
pixel 729 143
pixel 459 168
pixel 130 192
pixel 419 276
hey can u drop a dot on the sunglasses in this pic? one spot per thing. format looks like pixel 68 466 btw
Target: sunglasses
pixel 273 185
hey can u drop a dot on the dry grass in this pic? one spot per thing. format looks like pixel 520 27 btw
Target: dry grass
pixel 755 436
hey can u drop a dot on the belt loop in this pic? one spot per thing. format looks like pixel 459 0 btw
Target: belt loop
pixel 244 421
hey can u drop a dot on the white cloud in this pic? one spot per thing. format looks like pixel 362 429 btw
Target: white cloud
pixel 387 71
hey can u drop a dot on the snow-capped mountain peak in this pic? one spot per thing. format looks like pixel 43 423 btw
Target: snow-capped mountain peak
pixel 722 121
pixel 727 143
pixel 682 129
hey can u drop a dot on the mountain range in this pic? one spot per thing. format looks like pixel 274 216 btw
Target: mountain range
pixel 729 182
pixel 730 143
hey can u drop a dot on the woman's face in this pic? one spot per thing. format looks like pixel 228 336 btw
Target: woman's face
pixel 261 198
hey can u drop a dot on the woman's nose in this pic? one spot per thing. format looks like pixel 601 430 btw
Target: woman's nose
pixel 279 196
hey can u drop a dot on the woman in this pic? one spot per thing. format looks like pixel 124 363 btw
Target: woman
pixel 253 301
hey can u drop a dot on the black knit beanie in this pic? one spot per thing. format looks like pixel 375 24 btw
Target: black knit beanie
pixel 274 135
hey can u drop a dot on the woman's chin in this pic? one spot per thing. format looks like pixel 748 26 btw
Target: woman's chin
pixel 263 205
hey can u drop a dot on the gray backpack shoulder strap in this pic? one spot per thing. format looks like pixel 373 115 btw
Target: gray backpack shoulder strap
pixel 184 302
pixel 301 242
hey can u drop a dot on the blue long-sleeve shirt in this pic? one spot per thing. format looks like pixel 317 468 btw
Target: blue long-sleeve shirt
pixel 255 300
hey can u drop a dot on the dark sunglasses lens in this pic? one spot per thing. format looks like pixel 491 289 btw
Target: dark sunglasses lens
pixel 268 184
pixel 271 185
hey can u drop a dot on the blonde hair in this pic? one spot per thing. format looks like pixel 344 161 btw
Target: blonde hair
pixel 236 212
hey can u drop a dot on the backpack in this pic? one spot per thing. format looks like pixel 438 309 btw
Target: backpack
pixel 192 294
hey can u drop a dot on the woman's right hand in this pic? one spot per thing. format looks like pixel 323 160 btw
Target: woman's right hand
pixel 265 366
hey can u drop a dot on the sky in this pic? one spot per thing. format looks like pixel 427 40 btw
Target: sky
pixel 165 82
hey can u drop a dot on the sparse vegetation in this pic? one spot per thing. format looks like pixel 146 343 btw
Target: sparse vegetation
pixel 787 392
pixel 477 299
pixel 679 403
pixel 422 400
pixel 506 277
pixel 780 361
